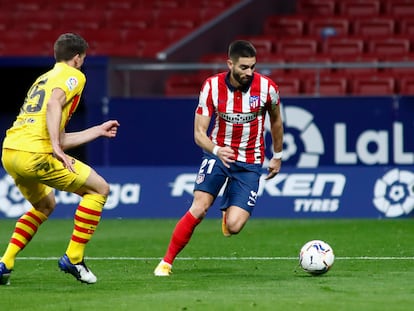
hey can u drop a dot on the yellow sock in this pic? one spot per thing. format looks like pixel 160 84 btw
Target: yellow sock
pixel 87 217
pixel 26 227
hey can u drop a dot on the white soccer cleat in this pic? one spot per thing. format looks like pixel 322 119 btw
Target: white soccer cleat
pixel 163 269
pixel 79 271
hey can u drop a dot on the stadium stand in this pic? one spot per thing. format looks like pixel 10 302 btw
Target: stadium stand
pixel 362 33
pixel 319 31
pixel 176 18
pixel 358 8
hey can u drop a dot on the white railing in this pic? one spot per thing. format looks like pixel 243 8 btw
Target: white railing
pixel 126 70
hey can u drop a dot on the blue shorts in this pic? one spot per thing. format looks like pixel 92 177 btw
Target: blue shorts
pixel 242 181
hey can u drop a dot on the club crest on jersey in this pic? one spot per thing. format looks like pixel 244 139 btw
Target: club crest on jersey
pixel 71 83
pixel 200 178
pixel 254 102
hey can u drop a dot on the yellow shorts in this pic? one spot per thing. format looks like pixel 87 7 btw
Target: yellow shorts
pixel 36 174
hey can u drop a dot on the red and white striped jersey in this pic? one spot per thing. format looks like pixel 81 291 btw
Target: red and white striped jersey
pixel 239 116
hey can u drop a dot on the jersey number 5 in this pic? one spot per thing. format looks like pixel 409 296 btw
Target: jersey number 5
pixel 30 102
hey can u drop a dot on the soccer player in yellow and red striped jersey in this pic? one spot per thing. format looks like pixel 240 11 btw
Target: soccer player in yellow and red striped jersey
pixel 236 102
pixel 34 155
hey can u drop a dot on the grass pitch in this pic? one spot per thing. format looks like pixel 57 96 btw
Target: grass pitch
pixel 256 270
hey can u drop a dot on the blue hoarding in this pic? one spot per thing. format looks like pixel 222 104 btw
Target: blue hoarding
pixel 330 131
pixel 166 192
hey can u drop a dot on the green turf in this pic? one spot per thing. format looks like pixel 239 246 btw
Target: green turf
pixel 256 270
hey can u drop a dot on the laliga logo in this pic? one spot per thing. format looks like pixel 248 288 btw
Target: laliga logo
pixel 300 134
pixel 12 202
pixel 394 193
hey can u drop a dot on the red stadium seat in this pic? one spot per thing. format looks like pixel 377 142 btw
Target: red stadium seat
pixel 400 8
pixel 152 34
pixel 75 20
pixel 13 36
pixel 294 47
pixel 218 4
pixel 321 26
pixel 214 58
pixel 360 8
pixel 284 26
pixel 42 20
pixel 400 71
pixel 351 71
pixel 406 27
pixel 73 5
pixel 28 5
pixel 120 5
pixel 288 84
pixel 374 27
pixel 6 21
pixel 157 4
pixel 264 44
pixel 177 18
pixel 373 85
pixel 151 49
pixel 387 47
pixel 102 35
pixel 319 60
pixel 24 49
pixel 327 85
pixel 131 19
pixel 406 85
pixel 316 7
pixel 44 37
pixel 343 46
pixel 183 85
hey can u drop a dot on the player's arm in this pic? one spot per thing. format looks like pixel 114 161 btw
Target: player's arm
pixel 201 124
pixel 55 106
pixel 74 139
pixel 276 130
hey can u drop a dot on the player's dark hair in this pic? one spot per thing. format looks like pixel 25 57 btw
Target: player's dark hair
pixel 69 45
pixel 241 48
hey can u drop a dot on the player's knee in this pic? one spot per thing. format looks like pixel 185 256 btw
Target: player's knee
pixel 105 189
pixel 233 230
pixel 234 227
pixel 199 210
pixel 46 205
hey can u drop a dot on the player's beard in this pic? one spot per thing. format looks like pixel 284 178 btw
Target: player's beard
pixel 243 81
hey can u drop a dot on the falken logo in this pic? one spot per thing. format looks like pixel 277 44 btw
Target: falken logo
pixel 394 193
pixel 301 135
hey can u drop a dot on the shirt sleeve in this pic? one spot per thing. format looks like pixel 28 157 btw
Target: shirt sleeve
pixel 205 104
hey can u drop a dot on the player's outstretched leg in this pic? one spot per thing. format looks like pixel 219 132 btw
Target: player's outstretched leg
pixel 180 237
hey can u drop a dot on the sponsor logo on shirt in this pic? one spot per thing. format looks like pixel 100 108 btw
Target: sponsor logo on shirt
pixel 71 83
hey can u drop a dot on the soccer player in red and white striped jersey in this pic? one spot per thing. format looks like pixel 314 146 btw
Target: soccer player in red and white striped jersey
pixel 236 102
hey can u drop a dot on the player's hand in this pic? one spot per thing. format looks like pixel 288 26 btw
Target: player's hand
pixel 226 155
pixel 274 168
pixel 65 159
pixel 110 128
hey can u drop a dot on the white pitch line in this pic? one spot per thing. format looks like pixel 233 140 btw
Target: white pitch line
pixel 218 258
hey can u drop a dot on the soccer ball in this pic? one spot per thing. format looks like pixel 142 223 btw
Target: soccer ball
pixel 316 257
